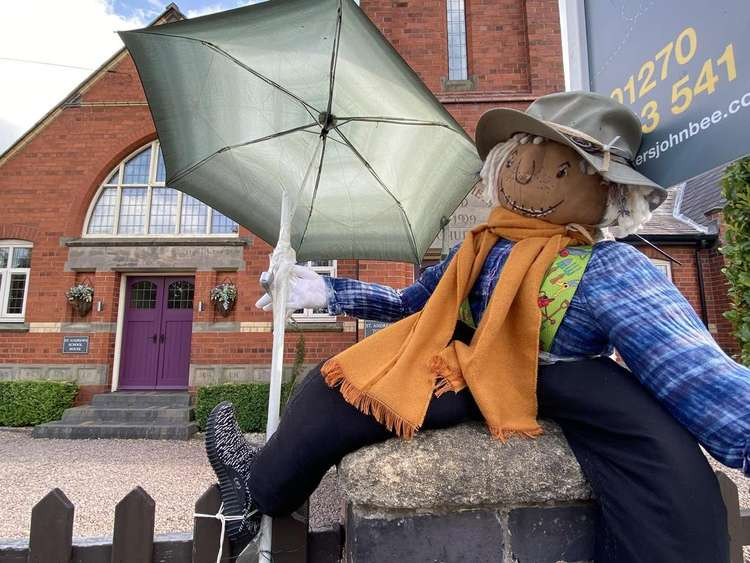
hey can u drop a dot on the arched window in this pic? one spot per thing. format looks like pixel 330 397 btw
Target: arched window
pixel 134 201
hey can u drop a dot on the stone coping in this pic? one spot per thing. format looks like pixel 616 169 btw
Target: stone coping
pixel 463 467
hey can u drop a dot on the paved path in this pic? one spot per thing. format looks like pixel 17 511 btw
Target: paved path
pixel 96 474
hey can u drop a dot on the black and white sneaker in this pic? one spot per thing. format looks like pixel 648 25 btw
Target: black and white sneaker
pixel 231 457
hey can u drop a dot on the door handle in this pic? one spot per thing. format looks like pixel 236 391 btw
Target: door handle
pixel 153 339
pixel 162 338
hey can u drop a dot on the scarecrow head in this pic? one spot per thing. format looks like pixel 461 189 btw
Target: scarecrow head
pixel 567 159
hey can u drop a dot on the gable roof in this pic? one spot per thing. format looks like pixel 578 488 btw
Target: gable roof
pixel 701 195
pixel 170 14
pixel 664 221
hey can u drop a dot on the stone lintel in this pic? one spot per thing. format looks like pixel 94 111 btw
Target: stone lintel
pixel 203 256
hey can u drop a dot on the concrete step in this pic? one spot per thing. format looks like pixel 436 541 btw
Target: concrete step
pixel 167 415
pixel 142 399
pixel 94 430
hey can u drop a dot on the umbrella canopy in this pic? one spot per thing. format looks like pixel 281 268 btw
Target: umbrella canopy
pixel 307 98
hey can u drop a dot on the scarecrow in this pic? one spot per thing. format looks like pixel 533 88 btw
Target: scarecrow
pixel 518 322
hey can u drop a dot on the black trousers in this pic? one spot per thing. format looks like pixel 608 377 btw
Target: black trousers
pixel 659 499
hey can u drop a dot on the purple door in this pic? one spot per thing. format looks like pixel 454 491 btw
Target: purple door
pixel 157 329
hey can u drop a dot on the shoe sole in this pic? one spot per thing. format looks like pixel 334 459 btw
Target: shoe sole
pixel 233 502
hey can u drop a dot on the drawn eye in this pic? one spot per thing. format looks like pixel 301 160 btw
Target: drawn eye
pixel 509 162
pixel 563 170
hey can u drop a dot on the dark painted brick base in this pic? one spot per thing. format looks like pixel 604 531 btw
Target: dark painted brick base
pixel 534 534
pixel 474 536
pixel 552 534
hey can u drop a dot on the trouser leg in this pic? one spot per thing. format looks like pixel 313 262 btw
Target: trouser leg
pixel 660 501
pixel 317 429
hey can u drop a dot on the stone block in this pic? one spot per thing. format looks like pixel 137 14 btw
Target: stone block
pixel 463 467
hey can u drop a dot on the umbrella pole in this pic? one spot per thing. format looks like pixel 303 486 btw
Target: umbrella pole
pixel 282 260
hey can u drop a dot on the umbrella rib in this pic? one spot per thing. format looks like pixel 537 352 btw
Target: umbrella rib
pixel 366 164
pixel 201 162
pixel 334 57
pixel 327 136
pixel 315 190
pixel 397 120
pixel 236 61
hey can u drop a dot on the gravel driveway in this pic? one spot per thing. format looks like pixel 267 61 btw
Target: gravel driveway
pixel 96 474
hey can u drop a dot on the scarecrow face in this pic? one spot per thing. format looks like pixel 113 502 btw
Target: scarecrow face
pixel 546 181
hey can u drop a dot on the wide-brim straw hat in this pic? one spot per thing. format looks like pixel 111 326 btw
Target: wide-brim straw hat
pixel 603 131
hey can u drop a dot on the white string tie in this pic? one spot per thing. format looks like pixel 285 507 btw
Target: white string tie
pixel 221 517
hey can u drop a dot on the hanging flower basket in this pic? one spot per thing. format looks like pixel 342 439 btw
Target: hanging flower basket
pixel 224 297
pixel 81 298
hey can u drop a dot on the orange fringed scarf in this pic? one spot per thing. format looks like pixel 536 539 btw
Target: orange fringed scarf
pixel 393 373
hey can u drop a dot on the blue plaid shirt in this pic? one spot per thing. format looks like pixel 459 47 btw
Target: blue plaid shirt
pixel 623 302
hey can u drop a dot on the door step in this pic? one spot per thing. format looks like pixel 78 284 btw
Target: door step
pixel 151 415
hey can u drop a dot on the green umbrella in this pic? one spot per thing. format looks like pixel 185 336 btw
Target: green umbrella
pixel 297 119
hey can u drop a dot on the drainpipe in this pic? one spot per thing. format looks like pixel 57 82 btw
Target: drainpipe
pixel 700 245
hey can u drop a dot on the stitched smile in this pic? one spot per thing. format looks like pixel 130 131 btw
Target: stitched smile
pixel 531 211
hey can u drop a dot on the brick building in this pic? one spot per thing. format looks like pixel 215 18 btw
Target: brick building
pixel 84 200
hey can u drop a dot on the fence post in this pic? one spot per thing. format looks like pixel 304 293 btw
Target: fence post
pixel 734 520
pixel 133 535
pixel 206 531
pixel 51 534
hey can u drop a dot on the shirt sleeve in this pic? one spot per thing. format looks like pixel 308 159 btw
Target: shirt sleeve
pixel 669 350
pixel 377 302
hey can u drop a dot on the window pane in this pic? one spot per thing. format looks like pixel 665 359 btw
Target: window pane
pixel 114 177
pixel 161 172
pixel 193 219
pixel 15 294
pixel 136 169
pixel 4 257
pixel 180 295
pixel 221 223
pixel 163 211
pixel 21 258
pixel 103 218
pixel 132 211
pixel 143 295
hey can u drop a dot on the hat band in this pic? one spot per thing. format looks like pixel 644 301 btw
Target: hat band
pixel 589 144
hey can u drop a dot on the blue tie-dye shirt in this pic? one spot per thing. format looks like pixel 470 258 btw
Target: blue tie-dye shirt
pixel 623 302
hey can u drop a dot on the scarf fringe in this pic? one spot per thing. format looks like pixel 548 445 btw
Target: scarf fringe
pixel 446 378
pixel 504 434
pixel 385 415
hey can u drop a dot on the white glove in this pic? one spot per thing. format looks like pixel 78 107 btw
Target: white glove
pixel 307 290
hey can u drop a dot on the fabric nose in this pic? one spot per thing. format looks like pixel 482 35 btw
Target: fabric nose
pixel 525 170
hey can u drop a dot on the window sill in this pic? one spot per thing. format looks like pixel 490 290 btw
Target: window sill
pixel 469 85
pixel 307 326
pixel 159 241
pixel 14 326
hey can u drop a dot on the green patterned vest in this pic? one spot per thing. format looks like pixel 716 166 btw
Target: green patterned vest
pixel 558 287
